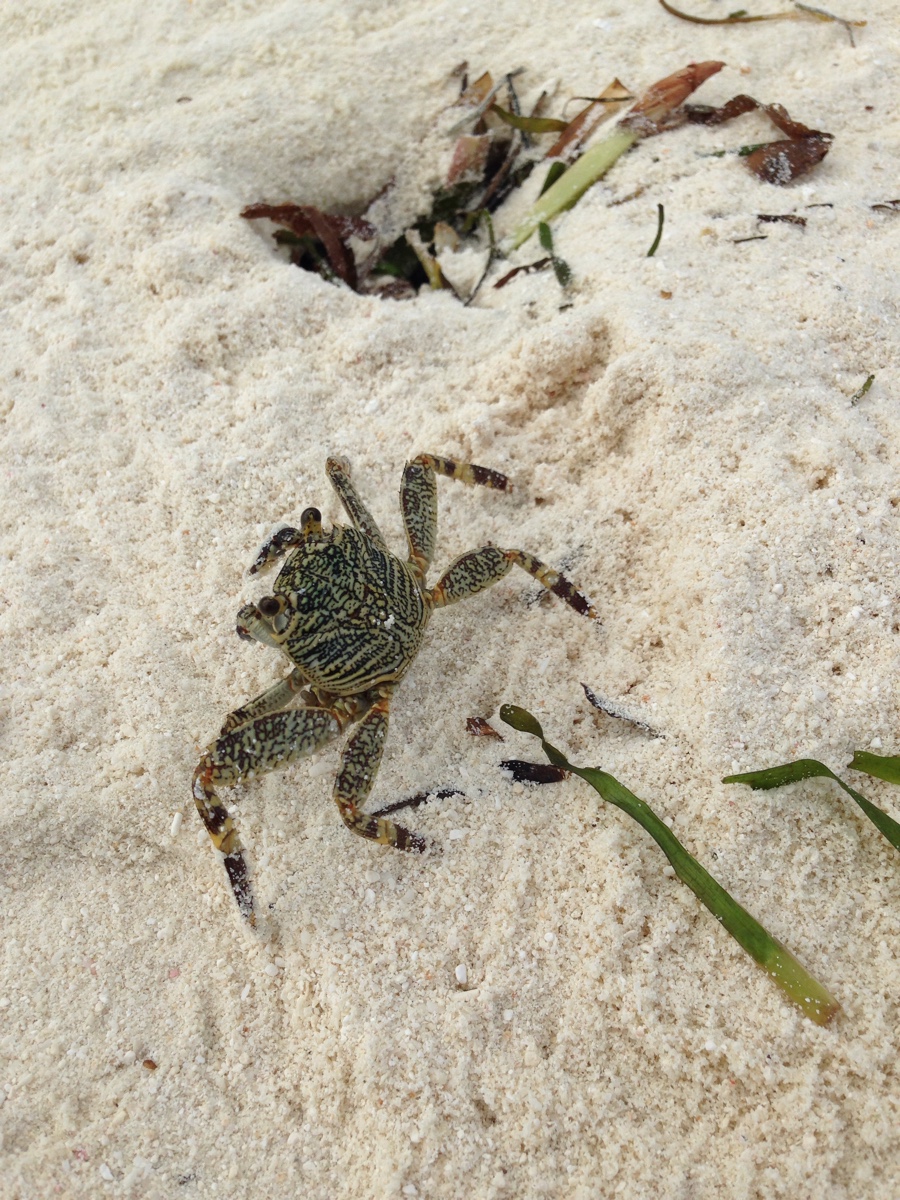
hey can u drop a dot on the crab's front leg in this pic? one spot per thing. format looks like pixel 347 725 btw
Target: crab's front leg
pixel 257 746
pixel 359 766
pixel 338 471
pixel 286 538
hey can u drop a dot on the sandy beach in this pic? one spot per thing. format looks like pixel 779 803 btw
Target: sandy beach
pixel 538 1008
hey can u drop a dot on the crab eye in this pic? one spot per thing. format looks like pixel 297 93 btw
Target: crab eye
pixel 270 606
pixel 310 522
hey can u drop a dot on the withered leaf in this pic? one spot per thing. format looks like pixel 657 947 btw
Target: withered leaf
pixel 415 801
pixel 735 18
pixel 526 269
pixel 305 220
pixel 296 217
pixel 775 162
pixel 742 17
pixel 479 727
pixel 580 128
pixel 528 772
pixel 609 709
pixel 783 162
pixel 396 289
pixel 708 114
pixel 478 91
pixel 787 218
pixel 660 105
pixel 469 158
pixel 528 124
pixel 780 117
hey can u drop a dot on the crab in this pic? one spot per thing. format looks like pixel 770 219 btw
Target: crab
pixel 350 617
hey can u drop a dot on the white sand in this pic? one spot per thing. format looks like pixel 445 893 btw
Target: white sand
pixel 170 391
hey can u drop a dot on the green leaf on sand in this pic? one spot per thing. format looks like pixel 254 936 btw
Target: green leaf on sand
pixel 776 960
pixel 811 768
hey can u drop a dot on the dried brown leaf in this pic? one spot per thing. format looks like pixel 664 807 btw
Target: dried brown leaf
pixel 787 218
pixel 445 237
pixel 777 162
pixel 659 103
pixel 340 256
pixel 296 217
pixel 783 162
pixel 333 231
pixel 478 89
pixel 734 19
pixel 580 128
pixel 469 158
pixel 611 709
pixel 742 18
pixel 529 772
pixel 480 727
pixel 709 114
pixel 476 93
pixel 415 801
pixel 394 289
pixel 526 269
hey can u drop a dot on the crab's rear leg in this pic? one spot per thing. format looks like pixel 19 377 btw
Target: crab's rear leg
pixel 251 749
pixel 418 500
pixel 280 695
pixel 479 569
pixel 359 766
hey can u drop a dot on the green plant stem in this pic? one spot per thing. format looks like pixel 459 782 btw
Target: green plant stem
pixel 858 395
pixel 574 182
pixel 660 219
pixel 815 1001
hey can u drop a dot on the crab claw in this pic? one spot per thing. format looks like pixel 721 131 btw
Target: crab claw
pixel 246 617
pixel 278 543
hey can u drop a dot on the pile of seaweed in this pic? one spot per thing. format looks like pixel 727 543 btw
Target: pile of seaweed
pixel 496 148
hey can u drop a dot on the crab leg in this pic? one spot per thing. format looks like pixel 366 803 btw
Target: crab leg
pixel 418 500
pixel 418 503
pixel 251 749
pixel 479 569
pixel 279 696
pixel 286 538
pixel 338 471
pixel 464 472
pixel 274 547
pixel 359 766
